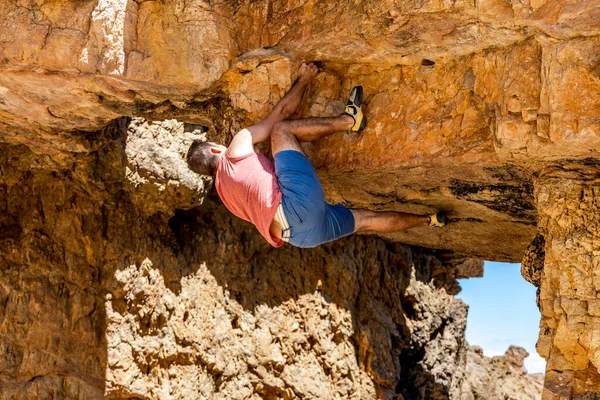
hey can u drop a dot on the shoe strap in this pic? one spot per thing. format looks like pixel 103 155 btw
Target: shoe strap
pixel 351 111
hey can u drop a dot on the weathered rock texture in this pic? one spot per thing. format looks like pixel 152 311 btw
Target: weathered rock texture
pixel 103 294
pixel 466 98
pixel 569 212
pixel 469 102
pixel 500 377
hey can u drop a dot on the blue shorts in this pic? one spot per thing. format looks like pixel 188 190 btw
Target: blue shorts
pixel 312 221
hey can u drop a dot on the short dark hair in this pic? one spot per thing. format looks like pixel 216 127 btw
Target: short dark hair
pixel 201 159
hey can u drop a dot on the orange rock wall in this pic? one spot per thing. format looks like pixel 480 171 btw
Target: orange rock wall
pixel 466 100
pixel 568 296
pixel 469 104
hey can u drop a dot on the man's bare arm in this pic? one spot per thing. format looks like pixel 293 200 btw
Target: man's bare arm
pixel 244 141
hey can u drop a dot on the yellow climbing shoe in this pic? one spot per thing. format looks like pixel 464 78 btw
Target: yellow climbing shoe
pixel 354 109
pixel 438 219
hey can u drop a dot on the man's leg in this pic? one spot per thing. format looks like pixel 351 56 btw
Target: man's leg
pixel 387 221
pixel 287 134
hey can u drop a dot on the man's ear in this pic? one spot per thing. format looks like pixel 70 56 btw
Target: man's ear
pixel 214 150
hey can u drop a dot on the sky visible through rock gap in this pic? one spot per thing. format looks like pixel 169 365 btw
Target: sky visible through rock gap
pixel 502 312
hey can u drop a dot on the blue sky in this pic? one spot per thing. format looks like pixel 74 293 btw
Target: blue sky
pixel 502 312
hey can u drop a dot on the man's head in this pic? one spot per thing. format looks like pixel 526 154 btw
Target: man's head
pixel 203 157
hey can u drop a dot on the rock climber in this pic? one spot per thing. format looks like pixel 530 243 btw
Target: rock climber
pixel 284 199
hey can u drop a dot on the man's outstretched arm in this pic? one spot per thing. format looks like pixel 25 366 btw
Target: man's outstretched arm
pixel 244 141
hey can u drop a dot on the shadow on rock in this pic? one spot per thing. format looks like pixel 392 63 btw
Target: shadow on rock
pixel 372 298
pixel 100 297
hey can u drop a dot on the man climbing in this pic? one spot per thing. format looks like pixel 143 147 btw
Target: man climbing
pixel 285 200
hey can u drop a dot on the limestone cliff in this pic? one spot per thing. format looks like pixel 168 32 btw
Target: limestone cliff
pixel 500 377
pixel 109 290
pixel 488 110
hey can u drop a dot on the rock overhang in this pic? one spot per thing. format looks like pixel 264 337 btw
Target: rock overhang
pixel 467 103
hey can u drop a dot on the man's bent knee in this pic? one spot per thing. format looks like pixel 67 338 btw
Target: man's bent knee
pixel 281 128
pixel 283 139
pixel 359 219
pixel 363 219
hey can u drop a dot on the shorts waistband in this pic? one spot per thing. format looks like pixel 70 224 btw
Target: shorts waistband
pixel 286 232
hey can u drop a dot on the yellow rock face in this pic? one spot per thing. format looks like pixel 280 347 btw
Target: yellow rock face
pixel 469 103
pixel 570 326
pixel 465 101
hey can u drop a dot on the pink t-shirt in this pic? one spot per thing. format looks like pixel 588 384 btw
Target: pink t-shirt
pixel 248 187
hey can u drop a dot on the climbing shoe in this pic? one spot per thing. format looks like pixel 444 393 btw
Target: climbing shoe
pixel 438 219
pixel 353 109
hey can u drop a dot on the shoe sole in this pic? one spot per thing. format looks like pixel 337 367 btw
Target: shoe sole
pixel 356 96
